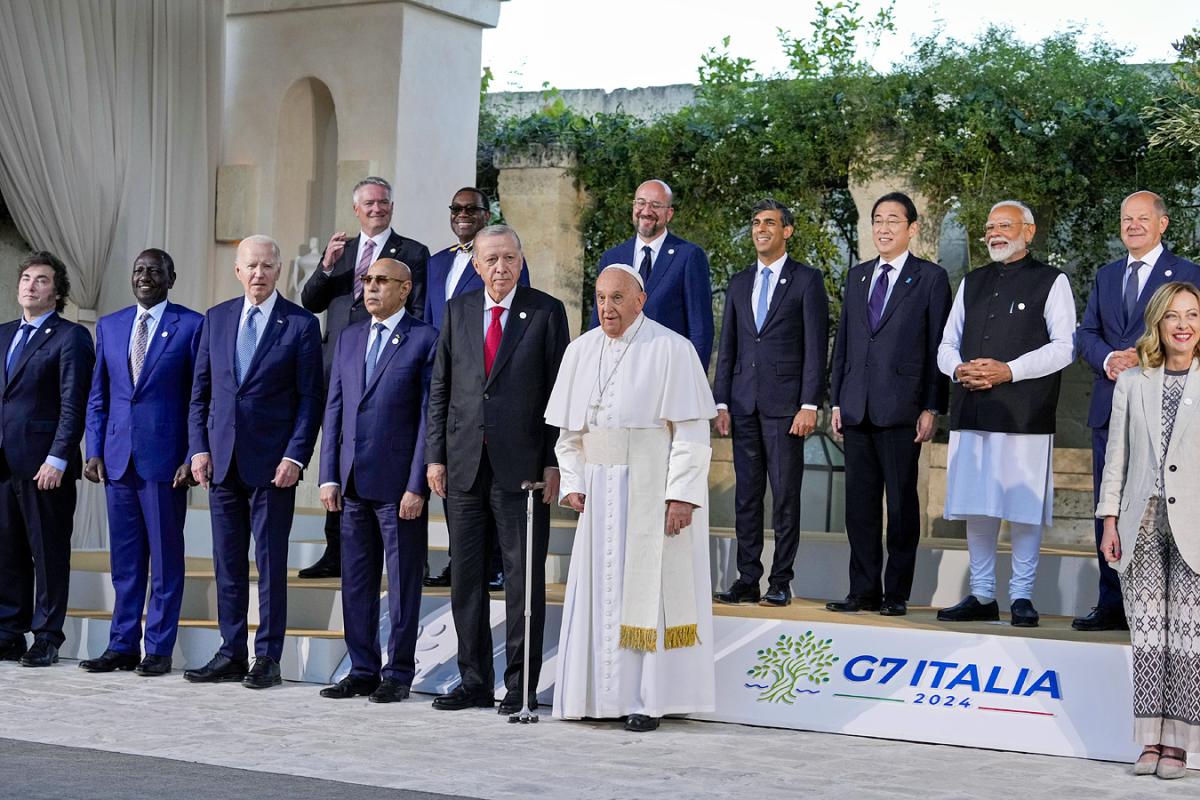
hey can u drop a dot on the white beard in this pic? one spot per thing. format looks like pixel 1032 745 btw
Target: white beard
pixel 1003 252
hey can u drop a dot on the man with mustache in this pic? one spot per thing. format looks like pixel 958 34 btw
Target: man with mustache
pixel 1009 336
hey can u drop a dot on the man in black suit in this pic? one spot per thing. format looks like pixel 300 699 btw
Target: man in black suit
pixel 43 398
pixel 886 394
pixel 769 382
pixel 498 356
pixel 337 289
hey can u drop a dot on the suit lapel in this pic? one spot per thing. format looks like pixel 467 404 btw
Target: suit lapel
pixel 786 281
pixel 862 290
pixel 386 350
pixel 163 334
pixel 514 329
pixel 1152 408
pixel 907 282
pixel 7 332
pixel 275 326
pixel 38 338
pixel 666 255
pixel 1158 276
pixel 463 280
pixel 356 347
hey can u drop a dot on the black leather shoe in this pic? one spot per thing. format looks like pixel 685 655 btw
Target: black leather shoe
pixel 893 608
pixel 496 584
pixel 1024 615
pixel 390 690
pixel 778 594
pixel 738 593
pixel 461 698
pixel 327 566
pixel 219 669
pixel 350 686
pixel 640 723
pixel 42 654
pixel 263 675
pixel 1102 619
pixel 852 604
pixel 440 580
pixel 109 661
pixel 511 703
pixel 153 666
pixel 13 649
pixel 970 610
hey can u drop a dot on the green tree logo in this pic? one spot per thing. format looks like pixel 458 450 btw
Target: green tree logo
pixel 790 665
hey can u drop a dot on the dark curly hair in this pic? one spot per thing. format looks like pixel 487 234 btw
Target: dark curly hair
pixel 62 282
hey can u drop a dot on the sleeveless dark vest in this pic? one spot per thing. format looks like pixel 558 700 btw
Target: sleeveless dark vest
pixel 1005 318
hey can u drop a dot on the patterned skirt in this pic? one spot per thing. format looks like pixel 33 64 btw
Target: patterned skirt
pixel 1162 603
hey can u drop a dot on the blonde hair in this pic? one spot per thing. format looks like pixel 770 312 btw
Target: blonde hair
pixel 1149 344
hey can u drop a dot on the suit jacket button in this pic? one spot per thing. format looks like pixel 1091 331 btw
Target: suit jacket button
pixel 757 339
pixel 485 396
pixel 1172 468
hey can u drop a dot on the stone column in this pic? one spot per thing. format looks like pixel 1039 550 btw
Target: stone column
pixel 866 193
pixel 543 201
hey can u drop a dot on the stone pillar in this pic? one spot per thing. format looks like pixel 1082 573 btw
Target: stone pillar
pixel 543 201
pixel 866 193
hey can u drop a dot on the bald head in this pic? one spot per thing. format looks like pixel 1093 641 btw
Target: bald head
pixel 1143 222
pixel 619 300
pixel 386 287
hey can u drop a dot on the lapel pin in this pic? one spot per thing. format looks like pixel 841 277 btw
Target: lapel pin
pixel 671 252
pixel 908 279
pixel 1020 306
pixel 1187 401
pixel 862 279
pixel 1168 273
pixel 393 250
pixel 782 281
pixel 48 331
pixel 279 321
pixel 395 340
pixel 522 315
pixel 164 334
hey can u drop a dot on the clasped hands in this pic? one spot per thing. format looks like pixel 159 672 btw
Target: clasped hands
pixel 982 373
pixel 679 513
pixel 1119 361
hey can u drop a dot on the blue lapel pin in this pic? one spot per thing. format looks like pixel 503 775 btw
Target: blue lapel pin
pixel 908 279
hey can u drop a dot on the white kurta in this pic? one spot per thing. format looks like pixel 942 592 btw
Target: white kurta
pixel 1008 475
pixel 659 384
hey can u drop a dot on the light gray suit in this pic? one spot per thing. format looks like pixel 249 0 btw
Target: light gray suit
pixel 1132 461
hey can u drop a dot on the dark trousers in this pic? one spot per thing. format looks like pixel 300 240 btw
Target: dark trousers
pixel 333 534
pixel 145 536
pixel 763 449
pixel 882 462
pixel 466 516
pixel 241 513
pixel 373 533
pixel 1110 580
pixel 35 556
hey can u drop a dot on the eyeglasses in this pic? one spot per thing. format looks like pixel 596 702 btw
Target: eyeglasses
pixel 893 223
pixel 382 280
pixel 456 210
pixel 1003 227
pixel 655 205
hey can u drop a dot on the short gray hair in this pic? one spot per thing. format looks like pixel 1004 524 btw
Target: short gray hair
pixel 1160 206
pixel 262 238
pixel 1026 213
pixel 371 180
pixel 499 230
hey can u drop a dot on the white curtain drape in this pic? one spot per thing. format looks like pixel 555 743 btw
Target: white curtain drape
pixel 109 133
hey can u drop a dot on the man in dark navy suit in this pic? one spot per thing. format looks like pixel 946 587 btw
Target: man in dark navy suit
pixel 886 394
pixel 373 471
pixel 255 411
pixel 137 440
pixel 336 288
pixel 769 384
pixel 43 397
pixel 1112 323
pixel 451 274
pixel 675 271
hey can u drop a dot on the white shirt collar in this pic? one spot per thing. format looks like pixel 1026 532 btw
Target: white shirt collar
pixel 775 266
pixel 391 322
pixel 1150 259
pixel 897 263
pixel 380 239
pixel 265 307
pixel 156 311
pixel 654 244
pixel 505 302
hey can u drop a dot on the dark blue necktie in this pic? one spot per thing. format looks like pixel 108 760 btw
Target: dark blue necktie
pixel 22 339
pixel 1130 295
pixel 878 297
pixel 644 269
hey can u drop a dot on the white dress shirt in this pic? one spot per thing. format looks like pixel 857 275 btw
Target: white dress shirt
pixel 1143 275
pixel 156 314
pixel 489 304
pixel 462 262
pixel 655 246
pixel 893 277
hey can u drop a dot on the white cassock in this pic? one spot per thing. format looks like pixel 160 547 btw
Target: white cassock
pixel 617 401
pixel 1008 475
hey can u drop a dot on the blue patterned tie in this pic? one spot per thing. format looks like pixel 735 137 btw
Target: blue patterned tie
pixel 247 342
pixel 1130 295
pixel 760 312
pixel 22 339
pixel 878 297
pixel 373 353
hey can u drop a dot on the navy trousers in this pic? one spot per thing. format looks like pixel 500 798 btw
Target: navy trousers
pixel 372 534
pixel 1110 598
pixel 145 524
pixel 763 449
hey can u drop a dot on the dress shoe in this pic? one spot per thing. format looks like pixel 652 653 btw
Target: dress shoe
pixel 264 674
pixel 42 654
pixel 739 592
pixel 110 660
pixel 440 580
pixel 390 690
pixel 778 594
pixel 1024 615
pixel 1172 764
pixel 970 610
pixel 1102 619
pixel 350 686
pixel 1147 762
pixel 152 666
pixel 327 566
pixel 852 604
pixel 496 584
pixel 219 669
pixel 462 697
pixel 13 649
pixel 640 723
pixel 893 608
pixel 511 703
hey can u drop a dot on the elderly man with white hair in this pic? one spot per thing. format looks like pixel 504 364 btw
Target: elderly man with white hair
pixel 632 404
pixel 1009 336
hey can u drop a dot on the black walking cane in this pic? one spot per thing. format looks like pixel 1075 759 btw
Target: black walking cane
pixel 525 716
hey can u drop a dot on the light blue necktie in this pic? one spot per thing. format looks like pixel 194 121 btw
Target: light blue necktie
pixel 22 339
pixel 247 342
pixel 760 313
pixel 373 353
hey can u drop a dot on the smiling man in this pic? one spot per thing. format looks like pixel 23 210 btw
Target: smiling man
pixel 1009 336
pixel 43 395
pixel 137 447
pixel 769 384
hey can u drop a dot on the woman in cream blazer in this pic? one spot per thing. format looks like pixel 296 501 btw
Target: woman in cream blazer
pixel 1150 504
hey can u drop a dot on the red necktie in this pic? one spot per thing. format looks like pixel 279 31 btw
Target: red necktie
pixel 491 344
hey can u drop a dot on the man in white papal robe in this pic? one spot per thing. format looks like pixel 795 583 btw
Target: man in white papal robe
pixel 633 404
